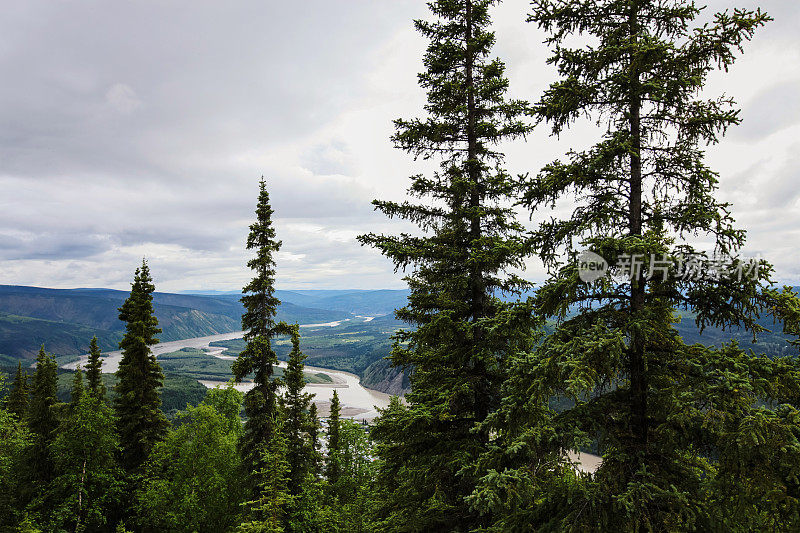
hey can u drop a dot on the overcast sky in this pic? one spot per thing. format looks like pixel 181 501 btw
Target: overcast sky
pixel 132 129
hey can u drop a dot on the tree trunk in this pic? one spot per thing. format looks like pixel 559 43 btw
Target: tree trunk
pixel 637 369
pixel 80 497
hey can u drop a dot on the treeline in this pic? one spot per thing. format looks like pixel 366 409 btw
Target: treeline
pixel 113 462
pixel 692 438
pixel 104 462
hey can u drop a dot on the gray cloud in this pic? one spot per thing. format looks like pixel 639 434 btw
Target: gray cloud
pixel 329 158
pixel 141 128
pixel 52 246
pixel 770 111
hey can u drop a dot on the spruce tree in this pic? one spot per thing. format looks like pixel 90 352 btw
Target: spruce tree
pixel 258 322
pixel 94 370
pixel 17 399
pixel 78 389
pixel 332 466
pixel 469 241
pixel 675 424
pixel 140 421
pixel 296 405
pixel 14 440
pixel 41 416
pixel 273 497
pixel 42 421
pixel 313 438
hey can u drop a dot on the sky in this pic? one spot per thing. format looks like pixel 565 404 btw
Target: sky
pixel 131 129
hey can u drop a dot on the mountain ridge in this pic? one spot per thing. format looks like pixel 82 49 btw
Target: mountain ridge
pixel 60 318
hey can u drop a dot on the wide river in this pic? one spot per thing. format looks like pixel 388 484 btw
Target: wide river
pixel 357 401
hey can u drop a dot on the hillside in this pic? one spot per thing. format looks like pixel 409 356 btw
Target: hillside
pixel 65 319
pixel 359 302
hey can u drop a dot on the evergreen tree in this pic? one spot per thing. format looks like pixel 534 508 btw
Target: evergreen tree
pixel 42 419
pixel 273 496
pixel 258 322
pixel 17 399
pixel 137 403
pixel 77 390
pixel 296 403
pixel 675 424
pixel 332 467
pixel 14 441
pixel 94 369
pixel 313 438
pixel 470 240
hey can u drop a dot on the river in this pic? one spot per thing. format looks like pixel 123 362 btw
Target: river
pixel 357 401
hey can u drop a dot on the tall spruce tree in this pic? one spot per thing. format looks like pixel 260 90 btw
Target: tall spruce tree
pixel 258 358
pixel 299 454
pixel 42 419
pixel 137 403
pixel 460 263
pixel 675 424
pixel 313 438
pixel 332 466
pixel 17 399
pixel 94 370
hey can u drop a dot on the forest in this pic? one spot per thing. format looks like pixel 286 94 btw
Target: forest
pixel 507 380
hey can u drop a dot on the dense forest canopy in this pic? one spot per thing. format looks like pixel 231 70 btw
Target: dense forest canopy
pixel 633 351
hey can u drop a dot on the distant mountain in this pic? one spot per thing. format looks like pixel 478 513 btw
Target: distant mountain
pixel 357 302
pixel 64 320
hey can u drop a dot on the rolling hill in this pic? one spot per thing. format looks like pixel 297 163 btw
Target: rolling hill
pixel 65 319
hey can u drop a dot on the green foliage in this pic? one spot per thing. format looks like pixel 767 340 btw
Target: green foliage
pixel 258 356
pixel 178 391
pixel 314 427
pixel 88 483
pixel 350 497
pixel 17 400
pixel 27 526
pixel 77 387
pixel 674 423
pixel 270 507
pixel 141 423
pixel 42 422
pixel 470 240
pixel 299 451
pixel 332 466
pixel 192 479
pixel 227 401
pixel 94 368
pixel 14 440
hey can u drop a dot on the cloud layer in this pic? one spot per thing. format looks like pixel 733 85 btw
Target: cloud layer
pixel 142 128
